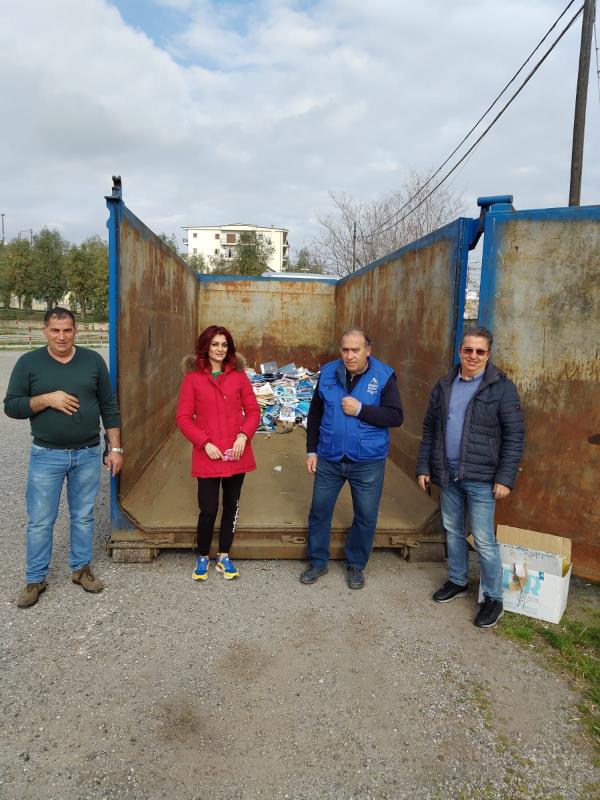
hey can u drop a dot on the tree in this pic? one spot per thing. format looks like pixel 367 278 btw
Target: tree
pixel 49 280
pixel 306 262
pixel 219 265
pixel 358 233
pixel 170 240
pixel 252 254
pixel 5 277
pixel 100 303
pixel 196 261
pixel 19 274
pixel 84 265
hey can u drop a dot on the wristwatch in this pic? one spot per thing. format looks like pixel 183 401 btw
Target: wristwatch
pixel 116 450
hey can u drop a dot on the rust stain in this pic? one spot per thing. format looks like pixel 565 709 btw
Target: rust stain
pixel 405 306
pixel 157 326
pixel 547 324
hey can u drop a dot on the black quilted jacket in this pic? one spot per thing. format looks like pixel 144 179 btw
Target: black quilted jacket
pixel 493 433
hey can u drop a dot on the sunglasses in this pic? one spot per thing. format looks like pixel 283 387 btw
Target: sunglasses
pixel 478 351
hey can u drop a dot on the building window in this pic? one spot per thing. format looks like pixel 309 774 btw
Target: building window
pixel 195 235
pixel 195 250
pixel 217 235
pixel 216 251
pixel 230 255
pixel 231 238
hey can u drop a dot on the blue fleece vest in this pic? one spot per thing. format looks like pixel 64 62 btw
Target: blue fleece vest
pixel 341 435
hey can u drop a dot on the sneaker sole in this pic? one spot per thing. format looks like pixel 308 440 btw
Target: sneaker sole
pixel 228 576
pixel 199 577
pixel 454 597
pixel 491 624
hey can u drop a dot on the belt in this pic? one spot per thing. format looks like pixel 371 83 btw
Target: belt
pixel 81 446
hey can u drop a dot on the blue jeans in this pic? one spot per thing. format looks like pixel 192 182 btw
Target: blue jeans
pixel 47 472
pixel 476 499
pixel 366 483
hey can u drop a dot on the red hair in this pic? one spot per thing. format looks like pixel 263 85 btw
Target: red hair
pixel 203 343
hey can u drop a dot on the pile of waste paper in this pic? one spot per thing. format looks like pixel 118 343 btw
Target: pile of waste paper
pixel 283 394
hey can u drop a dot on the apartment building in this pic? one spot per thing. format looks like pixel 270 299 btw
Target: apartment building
pixel 222 240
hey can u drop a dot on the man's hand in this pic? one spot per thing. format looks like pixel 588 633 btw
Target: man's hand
pixel 61 401
pixel 350 406
pixel 500 491
pixel 114 463
pixel 212 451
pixel 424 481
pixel 311 464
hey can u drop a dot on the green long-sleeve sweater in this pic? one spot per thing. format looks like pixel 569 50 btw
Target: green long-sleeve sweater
pixel 84 376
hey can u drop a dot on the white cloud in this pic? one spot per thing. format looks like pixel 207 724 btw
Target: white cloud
pixel 257 109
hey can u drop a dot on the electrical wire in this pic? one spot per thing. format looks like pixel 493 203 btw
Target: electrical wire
pixel 596 48
pixel 381 229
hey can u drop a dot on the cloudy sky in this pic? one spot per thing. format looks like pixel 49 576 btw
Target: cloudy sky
pixel 252 110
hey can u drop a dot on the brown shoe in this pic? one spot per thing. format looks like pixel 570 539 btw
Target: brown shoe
pixel 31 594
pixel 85 578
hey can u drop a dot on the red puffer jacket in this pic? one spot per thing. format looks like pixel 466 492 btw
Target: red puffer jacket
pixel 216 410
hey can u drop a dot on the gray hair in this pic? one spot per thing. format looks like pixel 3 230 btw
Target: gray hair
pixel 478 330
pixel 367 338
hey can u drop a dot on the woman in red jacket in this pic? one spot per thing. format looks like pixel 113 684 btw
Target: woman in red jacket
pixel 218 413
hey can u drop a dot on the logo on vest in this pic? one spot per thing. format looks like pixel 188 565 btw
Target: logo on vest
pixel 373 386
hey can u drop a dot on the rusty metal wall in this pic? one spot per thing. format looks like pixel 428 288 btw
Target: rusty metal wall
pixel 156 328
pixel 272 319
pixel 408 304
pixel 540 294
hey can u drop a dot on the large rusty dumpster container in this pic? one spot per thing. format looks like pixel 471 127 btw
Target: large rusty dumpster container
pixel 412 303
pixel 408 301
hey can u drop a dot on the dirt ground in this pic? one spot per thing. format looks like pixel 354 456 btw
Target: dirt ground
pixel 264 688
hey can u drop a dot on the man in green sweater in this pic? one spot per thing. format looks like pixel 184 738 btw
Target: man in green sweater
pixel 63 390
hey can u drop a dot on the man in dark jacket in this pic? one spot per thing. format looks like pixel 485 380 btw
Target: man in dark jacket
pixel 347 439
pixel 473 435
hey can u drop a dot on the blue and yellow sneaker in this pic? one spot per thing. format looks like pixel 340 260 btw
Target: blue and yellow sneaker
pixel 201 571
pixel 226 568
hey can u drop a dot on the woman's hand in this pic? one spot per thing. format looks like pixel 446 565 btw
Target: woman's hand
pixel 212 451
pixel 239 446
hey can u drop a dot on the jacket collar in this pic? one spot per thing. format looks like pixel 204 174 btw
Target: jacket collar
pixel 491 375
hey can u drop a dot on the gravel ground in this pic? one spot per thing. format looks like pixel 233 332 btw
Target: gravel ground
pixel 163 688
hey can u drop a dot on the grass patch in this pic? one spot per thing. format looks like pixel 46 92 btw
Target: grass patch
pixel 572 647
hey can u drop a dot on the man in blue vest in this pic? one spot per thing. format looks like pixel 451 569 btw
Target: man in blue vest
pixel 355 402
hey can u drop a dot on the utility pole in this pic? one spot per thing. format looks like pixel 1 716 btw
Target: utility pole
pixel 354 247
pixel 583 75
pixel 2 215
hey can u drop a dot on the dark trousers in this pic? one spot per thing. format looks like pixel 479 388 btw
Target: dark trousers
pixel 208 502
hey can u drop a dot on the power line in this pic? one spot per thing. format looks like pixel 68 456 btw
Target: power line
pixel 596 48
pixel 485 113
pixel 381 229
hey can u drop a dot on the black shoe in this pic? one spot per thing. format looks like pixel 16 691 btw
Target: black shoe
pixel 449 591
pixel 355 578
pixel 489 613
pixel 312 574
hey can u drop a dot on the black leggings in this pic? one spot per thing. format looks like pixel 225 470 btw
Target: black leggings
pixel 208 502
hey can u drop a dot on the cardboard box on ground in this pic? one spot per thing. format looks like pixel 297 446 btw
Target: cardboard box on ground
pixel 536 572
